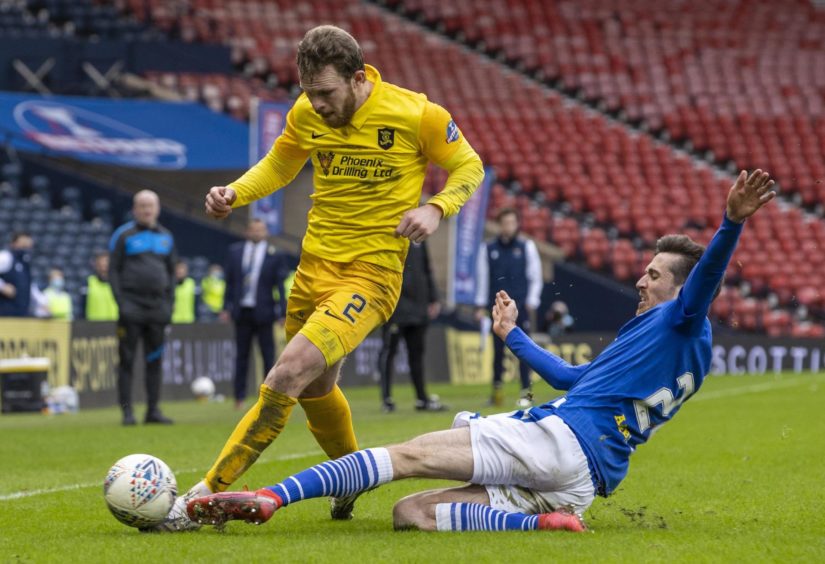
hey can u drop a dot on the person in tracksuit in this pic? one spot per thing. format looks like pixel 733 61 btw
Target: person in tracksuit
pixel 142 276
pixel 510 262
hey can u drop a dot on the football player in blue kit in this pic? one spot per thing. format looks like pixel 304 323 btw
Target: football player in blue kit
pixel 540 468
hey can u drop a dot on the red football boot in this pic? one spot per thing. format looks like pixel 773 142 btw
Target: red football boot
pixel 216 509
pixel 561 521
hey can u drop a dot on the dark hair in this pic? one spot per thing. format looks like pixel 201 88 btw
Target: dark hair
pixel 99 253
pixel 329 45
pixel 503 212
pixel 689 252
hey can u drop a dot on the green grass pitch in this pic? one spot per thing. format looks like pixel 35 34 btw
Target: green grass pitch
pixel 737 476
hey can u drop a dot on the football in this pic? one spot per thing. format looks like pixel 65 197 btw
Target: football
pixel 203 387
pixel 139 490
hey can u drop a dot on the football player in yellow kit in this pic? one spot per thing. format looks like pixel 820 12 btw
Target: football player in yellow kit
pixel 369 142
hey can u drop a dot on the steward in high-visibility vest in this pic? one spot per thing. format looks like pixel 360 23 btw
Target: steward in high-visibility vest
pixel 213 288
pixel 184 310
pixel 58 300
pixel 100 301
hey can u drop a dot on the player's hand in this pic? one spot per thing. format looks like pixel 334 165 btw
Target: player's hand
pixel 479 314
pixel 433 310
pixel 420 223
pixel 219 201
pixel 748 194
pixel 505 314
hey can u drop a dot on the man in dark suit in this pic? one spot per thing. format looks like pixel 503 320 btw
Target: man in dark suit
pixel 253 271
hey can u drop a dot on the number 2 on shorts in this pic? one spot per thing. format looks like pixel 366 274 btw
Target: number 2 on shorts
pixel 357 304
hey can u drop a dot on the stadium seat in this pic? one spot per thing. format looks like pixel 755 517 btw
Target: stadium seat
pixel 612 191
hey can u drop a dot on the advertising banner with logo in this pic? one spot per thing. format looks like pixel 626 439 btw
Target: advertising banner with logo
pixel 22 338
pixel 191 350
pixel 267 122
pixel 471 361
pixel 467 236
pixel 131 133
pixel 361 366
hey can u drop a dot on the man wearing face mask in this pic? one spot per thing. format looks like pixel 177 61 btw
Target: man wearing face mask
pixel 58 300
pixel 15 276
pixel 142 276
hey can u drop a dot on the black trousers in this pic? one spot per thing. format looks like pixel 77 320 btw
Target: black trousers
pixel 414 337
pixel 246 328
pixel 523 322
pixel 129 333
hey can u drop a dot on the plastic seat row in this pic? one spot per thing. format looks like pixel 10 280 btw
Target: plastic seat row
pixel 631 188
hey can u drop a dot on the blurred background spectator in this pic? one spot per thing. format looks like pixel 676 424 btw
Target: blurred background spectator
pixel 142 275
pixel 185 295
pixel 558 320
pixel 510 262
pixel 255 271
pixel 15 276
pixel 58 300
pixel 213 287
pixel 99 302
pixel 417 306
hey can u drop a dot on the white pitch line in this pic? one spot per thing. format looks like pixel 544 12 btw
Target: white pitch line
pixel 752 389
pixel 70 487
pixel 739 391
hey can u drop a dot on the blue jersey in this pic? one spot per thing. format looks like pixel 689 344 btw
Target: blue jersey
pixel 658 360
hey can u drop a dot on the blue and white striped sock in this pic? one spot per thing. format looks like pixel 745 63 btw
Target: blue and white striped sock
pixel 477 517
pixel 355 472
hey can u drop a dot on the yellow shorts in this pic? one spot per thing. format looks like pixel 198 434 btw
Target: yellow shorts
pixel 337 304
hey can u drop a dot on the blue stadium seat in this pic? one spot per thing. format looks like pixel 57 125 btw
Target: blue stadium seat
pixel 72 197
pixel 41 185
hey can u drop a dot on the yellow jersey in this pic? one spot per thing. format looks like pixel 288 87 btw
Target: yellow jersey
pixel 368 173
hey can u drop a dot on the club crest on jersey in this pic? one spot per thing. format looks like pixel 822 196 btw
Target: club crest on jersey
pixel 621 424
pixel 452 132
pixel 325 160
pixel 386 137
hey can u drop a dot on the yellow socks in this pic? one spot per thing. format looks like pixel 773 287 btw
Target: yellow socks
pixel 328 417
pixel 330 420
pixel 258 428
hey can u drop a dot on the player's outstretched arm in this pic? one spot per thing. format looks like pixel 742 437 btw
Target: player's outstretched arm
pixel 747 195
pixel 553 369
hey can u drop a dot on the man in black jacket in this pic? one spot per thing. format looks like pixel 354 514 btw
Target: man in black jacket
pixel 15 276
pixel 254 270
pixel 141 273
pixel 417 305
